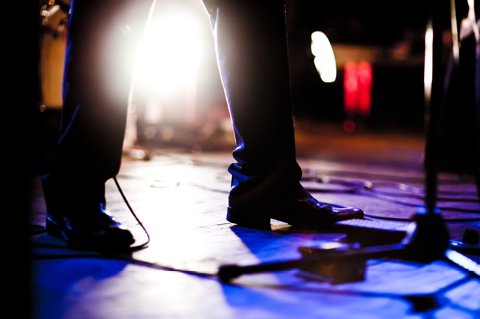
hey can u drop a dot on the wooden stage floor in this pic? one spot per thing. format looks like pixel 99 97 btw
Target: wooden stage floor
pixel 180 194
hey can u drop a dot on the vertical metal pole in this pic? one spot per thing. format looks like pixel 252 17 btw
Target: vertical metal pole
pixel 477 100
pixel 433 97
pixel 428 239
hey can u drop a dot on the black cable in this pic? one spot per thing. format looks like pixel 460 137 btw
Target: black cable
pixel 106 256
pixel 349 186
pixel 367 188
pixel 364 188
pixel 134 215
pixel 417 301
pixel 38 229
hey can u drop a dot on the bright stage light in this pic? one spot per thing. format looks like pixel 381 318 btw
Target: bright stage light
pixel 170 53
pixel 324 57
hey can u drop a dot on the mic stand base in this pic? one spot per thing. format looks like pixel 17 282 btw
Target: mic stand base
pixel 427 240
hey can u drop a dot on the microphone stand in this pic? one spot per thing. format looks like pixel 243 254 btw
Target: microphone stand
pixel 427 237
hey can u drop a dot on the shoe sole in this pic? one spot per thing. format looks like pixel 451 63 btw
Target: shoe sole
pixel 248 220
pixel 117 241
pixel 255 218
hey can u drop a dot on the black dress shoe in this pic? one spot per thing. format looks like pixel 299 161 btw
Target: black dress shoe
pixel 90 229
pixel 298 208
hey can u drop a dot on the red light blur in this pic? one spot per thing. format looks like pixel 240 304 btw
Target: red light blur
pixel 357 85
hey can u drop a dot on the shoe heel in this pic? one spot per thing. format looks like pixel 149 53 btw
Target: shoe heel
pixel 250 220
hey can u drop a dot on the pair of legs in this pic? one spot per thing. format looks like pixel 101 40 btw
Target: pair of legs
pixel 251 47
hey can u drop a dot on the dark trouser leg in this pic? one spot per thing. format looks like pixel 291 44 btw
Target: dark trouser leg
pixel 251 45
pixel 97 80
pixel 98 75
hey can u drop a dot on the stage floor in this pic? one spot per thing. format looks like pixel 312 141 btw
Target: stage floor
pixel 179 194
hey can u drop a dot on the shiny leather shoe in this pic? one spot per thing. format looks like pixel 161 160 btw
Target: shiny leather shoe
pixel 298 209
pixel 91 230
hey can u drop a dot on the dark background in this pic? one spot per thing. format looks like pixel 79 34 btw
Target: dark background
pixel 397 87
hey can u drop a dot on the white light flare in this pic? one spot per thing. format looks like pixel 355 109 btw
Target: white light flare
pixel 428 68
pixel 324 57
pixel 169 55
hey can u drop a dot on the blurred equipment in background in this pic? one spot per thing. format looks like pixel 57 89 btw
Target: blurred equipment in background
pixel 357 85
pixel 53 30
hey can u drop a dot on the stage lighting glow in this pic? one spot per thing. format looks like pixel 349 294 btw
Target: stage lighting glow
pixel 357 87
pixel 427 78
pixel 324 57
pixel 169 55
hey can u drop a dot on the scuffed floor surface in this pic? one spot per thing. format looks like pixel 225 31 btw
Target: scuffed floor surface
pixel 180 198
